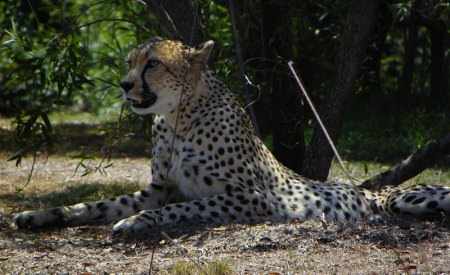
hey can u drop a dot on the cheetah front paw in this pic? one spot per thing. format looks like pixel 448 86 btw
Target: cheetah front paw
pixel 132 227
pixel 25 220
pixel 39 219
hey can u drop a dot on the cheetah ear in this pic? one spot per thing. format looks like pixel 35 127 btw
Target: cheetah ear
pixel 201 53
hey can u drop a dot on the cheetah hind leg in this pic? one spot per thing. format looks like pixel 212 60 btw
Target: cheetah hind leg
pixel 424 202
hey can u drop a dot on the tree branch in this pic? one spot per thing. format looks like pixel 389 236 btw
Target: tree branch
pixel 178 18
pixel 411 166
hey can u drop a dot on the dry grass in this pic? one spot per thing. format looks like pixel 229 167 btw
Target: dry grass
pixel 193 268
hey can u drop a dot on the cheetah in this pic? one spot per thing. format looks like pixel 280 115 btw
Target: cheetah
pixel 209 166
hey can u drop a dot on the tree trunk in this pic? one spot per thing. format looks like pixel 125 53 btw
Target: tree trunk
pixel 179 19
pixel 361 19
pixel 287 125
pixel 410 47
pixel 254 48
pixel 439 70
pixel 233 11
pixel 412 166
pixel 379 46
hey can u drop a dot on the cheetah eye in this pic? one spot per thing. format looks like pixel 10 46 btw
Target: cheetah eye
pixel 152 63
pixel 128 62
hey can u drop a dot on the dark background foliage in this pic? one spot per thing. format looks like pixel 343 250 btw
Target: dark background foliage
pixel 378 71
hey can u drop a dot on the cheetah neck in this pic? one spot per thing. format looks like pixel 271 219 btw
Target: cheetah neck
pixel 181 119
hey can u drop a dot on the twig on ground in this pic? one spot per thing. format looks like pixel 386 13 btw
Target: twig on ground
pixel 150 270
pixel 30 174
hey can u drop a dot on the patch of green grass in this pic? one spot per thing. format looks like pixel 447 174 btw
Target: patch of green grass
pixel 211 268
pixel 82 117
pixel 83 134
pixel 389 137
pixel 384 137
pixel 366 169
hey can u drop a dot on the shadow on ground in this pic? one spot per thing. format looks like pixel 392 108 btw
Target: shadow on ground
pixel 77 139
pixel 78 192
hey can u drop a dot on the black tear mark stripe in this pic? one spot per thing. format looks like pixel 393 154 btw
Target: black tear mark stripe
pixel 146 89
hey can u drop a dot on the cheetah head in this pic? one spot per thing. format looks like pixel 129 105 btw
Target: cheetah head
pixel 160 71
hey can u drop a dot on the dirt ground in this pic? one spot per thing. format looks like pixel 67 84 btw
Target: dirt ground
pixel 262 249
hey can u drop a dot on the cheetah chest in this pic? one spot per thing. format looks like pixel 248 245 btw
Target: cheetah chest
pixel 191 173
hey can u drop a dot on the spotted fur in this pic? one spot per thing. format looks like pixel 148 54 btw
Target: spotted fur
pixel 206 152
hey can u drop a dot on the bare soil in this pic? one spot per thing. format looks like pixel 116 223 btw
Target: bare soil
pixel 310 247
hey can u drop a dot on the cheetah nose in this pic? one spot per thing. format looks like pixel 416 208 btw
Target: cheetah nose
pixel 126 86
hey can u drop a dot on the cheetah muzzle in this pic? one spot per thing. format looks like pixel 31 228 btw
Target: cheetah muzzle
pixel 148 101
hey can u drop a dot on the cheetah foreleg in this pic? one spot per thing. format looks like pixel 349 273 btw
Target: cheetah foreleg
pixel 98 212
pixel 218 209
